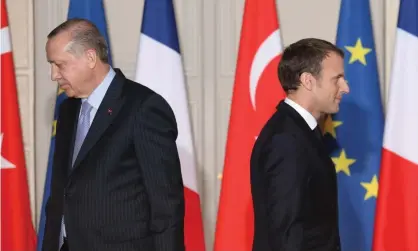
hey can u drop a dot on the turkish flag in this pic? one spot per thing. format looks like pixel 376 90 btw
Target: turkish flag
pixel 17 231
pixel 256 93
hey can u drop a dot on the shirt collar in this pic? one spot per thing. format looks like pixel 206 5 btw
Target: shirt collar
pixel 307 116
pixel 96 97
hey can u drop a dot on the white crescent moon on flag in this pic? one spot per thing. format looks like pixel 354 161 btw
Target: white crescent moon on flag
pixel 269 49
pixel 4 163
pixel 5 45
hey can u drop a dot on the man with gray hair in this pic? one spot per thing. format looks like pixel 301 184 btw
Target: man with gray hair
pixel 116 179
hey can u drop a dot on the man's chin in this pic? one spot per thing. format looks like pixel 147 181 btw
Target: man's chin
pixel 69 93
pixel 334 110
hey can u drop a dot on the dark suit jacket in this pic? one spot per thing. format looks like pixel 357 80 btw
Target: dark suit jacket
pixel 294 190
pixel 125 191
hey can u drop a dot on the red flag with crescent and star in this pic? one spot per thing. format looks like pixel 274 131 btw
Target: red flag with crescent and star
pixel 17 231
pixel 257 91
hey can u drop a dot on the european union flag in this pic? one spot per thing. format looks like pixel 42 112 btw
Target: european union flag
pixel 92 10
pixel 355 133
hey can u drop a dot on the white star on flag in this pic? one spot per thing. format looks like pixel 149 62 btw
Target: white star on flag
pixel 5 164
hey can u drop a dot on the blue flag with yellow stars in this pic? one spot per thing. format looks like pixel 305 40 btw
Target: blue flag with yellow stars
pixel 354 135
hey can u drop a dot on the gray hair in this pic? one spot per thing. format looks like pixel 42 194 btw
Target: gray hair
pixel 84 35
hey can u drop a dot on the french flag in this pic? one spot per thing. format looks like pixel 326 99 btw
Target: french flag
pixel 159 67
pixel 396 224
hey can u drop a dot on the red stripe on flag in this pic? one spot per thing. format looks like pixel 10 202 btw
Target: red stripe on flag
pixel 17 232
pixel 194 239
pixel 4 22
pixel 396 225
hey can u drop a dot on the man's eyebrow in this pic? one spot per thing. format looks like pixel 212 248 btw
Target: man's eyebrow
pixel 53 61
pixel 341 75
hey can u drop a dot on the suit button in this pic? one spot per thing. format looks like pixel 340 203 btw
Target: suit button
pixel 66 193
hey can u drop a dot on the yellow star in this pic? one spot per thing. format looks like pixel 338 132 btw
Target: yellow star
pixel 372 188
pixel 358 52
pixel 54 128
pixel 60 91
pixel 342 163
pixel 330 125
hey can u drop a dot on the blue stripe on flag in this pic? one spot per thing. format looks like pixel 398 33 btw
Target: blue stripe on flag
pixel 159 23
pixel 408 18
pixel 92 10
pixel 355 133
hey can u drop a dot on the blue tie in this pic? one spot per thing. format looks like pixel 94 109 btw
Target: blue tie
pixel 82 129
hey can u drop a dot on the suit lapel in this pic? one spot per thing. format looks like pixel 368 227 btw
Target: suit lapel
pixel 72 113
pixel 107 112
pixel 309 133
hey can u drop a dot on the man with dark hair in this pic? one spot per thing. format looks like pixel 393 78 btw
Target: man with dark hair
pixel 293 180
pixel 116 179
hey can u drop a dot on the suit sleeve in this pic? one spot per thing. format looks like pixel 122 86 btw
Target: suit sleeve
pixel 53 203
pixel 57 167
pixel 286 168
pixel 155 146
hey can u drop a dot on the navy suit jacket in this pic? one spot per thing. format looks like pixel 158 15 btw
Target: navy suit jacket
pixel 125 190
pixel 294 187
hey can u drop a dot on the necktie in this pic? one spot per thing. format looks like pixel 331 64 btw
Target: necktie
pixel 82 128
pixel 318 132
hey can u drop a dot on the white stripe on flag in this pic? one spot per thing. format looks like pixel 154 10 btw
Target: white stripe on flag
pixel 401 129
pixel 5 45
pixel 160 68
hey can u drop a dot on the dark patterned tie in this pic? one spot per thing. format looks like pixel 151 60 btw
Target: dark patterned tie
pixel 318 132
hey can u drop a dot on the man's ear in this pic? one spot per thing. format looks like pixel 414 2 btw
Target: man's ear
pixel 91 56
pixel 307 80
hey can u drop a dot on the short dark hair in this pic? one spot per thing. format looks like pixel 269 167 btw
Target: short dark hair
pixel 305 55
pixel 84 35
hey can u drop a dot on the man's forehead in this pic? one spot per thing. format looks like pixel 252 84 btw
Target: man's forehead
pixel 55 47
pixel 61 39
pixel 333 60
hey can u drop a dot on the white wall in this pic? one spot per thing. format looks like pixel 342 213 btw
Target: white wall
pixel 209 33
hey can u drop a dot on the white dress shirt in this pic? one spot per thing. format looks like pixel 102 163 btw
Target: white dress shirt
pixel 96 97
pixel 307 116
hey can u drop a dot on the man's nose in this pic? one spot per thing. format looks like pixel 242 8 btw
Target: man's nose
pixel 55 74
pixel 345 88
